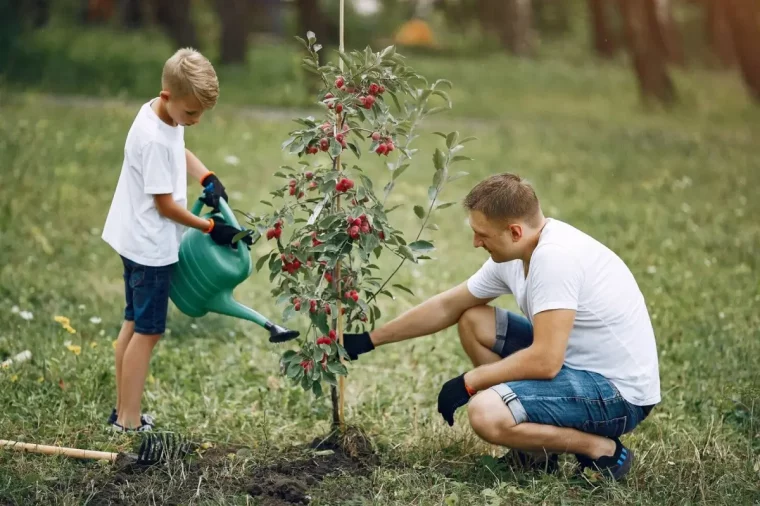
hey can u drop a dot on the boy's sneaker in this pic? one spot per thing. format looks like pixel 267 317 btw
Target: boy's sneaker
pixel 523 461
pixel 144 419
pixel 615 467
pixel 115 427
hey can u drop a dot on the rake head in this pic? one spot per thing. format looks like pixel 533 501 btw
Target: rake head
pixel 162 447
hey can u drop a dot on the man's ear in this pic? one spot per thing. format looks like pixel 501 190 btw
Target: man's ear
pixel 516 232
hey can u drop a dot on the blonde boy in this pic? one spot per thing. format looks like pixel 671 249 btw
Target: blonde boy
pixel 149 213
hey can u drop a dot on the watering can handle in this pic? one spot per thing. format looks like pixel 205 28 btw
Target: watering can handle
pixel 228 216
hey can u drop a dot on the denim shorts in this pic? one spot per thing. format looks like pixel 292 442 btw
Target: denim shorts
pixel 581 400
pixel 147 293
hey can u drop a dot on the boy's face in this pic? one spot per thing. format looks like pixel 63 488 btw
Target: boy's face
pixel 185 111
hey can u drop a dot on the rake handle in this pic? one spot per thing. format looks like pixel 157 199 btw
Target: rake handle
pixel 58 450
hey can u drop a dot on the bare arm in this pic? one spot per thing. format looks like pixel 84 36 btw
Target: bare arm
pixel 194 166
pixel 542 360
pixel 171 210
pixel 433 315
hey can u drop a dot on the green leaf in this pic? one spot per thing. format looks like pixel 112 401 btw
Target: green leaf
pixel 458 175
pixel 402 287
pixel 468 139
pixel 376 312
pixel 395 100
pixel 445 205
pixel 432 226
pixel 404 250
pixel 311 37
pixel 377 251
pixel 461 158
pixel 435 110
pixel 316 387
pixel 440 134
pixel 432 193
pixel 317 47
pixel 289 313
pixel 355 149
pixel 442 81
pixel 421 246
pixel 346 59
pixel 293 369
pixel 399 171
pixel 419 211
pixel 439 159
pixel 337 368
pixel 437 177
pixel 451 139
pixel 335 147
pixel 267 203
pixel 366 181
pixel 288 143
pixel 444 96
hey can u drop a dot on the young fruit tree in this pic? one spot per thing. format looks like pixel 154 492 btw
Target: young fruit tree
pixel 331 222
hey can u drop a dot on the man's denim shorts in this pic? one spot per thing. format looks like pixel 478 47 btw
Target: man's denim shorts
pixel 147 293
pixel 581 400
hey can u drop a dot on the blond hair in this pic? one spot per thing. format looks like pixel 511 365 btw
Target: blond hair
pixel 188 71
pixel 505 197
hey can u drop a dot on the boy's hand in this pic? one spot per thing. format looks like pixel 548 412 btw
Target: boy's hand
pixel 222 233
pixel 213 191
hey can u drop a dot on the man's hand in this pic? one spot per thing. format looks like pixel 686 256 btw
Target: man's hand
pixel 213 191
pixel 453 396
pixel 356 344
pixel 222 233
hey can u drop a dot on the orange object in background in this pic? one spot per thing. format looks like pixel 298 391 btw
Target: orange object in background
pixel 415 32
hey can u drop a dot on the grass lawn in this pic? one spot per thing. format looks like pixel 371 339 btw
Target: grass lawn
pixel 675 197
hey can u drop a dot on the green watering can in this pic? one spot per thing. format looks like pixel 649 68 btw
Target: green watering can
pixel 206 274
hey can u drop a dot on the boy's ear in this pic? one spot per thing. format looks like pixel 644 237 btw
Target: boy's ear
pixel 165 95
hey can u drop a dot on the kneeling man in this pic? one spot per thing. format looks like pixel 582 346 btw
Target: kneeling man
pixel 576 372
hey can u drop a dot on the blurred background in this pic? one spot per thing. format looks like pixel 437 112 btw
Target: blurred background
pixel 117 47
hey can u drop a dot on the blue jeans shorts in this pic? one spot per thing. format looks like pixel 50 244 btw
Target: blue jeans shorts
pixel 147 293
pixel 581 400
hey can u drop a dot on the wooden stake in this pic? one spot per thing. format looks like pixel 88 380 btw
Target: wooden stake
pixel 341 379
pixel 57 450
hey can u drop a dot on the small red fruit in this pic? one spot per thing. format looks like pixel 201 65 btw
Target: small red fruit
pixel 354 232
pixel 324 144
pixel 381 90
pixel 355 295
pixel 374 89
pixel 339 108
pixel 277 232
pixel 292 182
pixel 363 317
pixel 357 222
pixel 309 175
pixel 342 310
pixel 270 233
pixel 327 309
pixel 324 340
pixel 332 335
pixel 312 185
pixel 381 235
pixel 343 144
pixel 339 138
pixel 283 258
pixel 381 149
pixel 300 194
pixel 365 228
pixel 328 95
pixel 307 365
pixel 328 277
pixel 340 82
pixel 278 224
pixel 297 306
pixel 363 218
pixel 375 136
pixel 389 147
pixel 292 190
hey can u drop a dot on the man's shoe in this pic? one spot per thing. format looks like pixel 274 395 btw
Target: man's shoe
pixel 523 461
pixel 615 467
pixel 115 427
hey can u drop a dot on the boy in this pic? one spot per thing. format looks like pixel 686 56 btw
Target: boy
pixel 148 215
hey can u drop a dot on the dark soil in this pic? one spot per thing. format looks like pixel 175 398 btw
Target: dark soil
pixel 285 480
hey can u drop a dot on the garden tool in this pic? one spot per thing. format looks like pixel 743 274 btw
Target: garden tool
pixel 206 274
pixel 155 448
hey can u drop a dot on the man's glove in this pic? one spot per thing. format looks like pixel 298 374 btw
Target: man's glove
pixel 453 395
pixel 222 233
pixel 356 344
pixel 213 191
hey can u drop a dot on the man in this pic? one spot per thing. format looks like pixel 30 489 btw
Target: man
pixel 580 371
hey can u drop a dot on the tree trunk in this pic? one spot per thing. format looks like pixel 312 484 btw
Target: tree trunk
pixel 131 14
pixel 646 55
pixel 605 42
pixel 719 32
pixel 667 35
pixel 233 43
pixel 516 30
pixel 744 21
pixel 552 16
pixel 490 12
pixel 174 17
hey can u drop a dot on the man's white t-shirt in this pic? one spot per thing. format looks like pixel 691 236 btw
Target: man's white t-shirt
pixel 612 334
pixel 154 163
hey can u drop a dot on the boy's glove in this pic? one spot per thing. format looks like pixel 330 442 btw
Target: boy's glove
pixel 222 233
pixel 453 395
pixel 213 191
pixel 356 344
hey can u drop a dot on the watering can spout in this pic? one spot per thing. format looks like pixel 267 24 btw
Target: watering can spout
pixel 223 303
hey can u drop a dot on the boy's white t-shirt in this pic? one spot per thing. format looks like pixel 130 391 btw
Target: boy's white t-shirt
pixel 612 334
pixel 154 163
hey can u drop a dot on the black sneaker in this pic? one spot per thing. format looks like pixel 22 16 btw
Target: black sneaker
pixel 615 467
pixel 144 419
pixel 115 427
pixel 516 459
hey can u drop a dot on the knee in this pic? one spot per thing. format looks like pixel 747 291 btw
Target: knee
pixel 468 323
pixel 489 417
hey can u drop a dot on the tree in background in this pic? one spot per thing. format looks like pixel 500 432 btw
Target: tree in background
pixel 603 35
pixel 744 23
pixel 719 32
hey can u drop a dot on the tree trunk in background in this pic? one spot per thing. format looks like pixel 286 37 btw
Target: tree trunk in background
pixel 233 39
pixel 553 16
pixel 174 17
pixel 489 15
pixel 719 32
pixel 605 41
pixel 516 30
pixel 646 55
pixel 667 34
pixel 131 14
pixel 310 18
pixel 744 22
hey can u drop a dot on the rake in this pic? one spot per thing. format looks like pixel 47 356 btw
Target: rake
pixel 155 448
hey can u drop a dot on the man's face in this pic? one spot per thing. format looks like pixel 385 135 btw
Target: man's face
pixel 185 111
pixel 499 238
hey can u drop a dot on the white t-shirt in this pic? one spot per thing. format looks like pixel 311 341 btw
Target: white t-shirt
pixel 612 334
pixel 154 163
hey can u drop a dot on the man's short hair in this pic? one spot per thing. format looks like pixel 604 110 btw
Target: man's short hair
pixel 189 72
pixel 505 197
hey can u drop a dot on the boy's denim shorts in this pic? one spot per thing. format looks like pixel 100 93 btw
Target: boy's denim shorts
pixel 147 293
pixel 581 400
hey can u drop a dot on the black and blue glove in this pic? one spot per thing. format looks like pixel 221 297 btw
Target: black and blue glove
pixel 213 190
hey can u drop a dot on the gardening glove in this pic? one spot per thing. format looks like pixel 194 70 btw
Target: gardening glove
pixel 222 233
pixel 213 191
pixel 453 395
pixel 356 344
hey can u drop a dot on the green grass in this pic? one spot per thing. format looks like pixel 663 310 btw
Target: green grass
pixel 674 195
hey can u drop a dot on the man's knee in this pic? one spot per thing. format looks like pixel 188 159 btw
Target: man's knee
pixel 474 323
pixel 489 417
